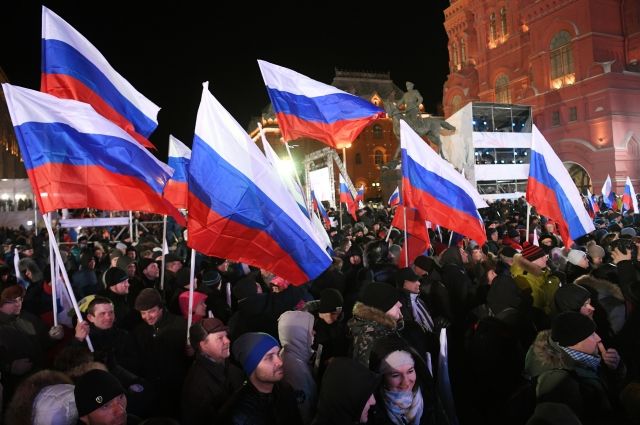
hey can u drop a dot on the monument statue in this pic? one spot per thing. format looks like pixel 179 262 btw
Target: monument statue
pixel 424 126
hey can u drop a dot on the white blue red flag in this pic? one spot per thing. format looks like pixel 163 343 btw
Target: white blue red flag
pixel 360 196
pixel 608 195
pixel 320 209
pixel 629 199
pixel 439 192
pixel 76 158
pixel 176 191
pixel 309 108
pixel 239 209
pixel 552 191
pixel 72 68
pixel 394 199
pixel 592 205
pixel 347 198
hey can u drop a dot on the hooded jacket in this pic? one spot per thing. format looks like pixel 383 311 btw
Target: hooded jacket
pixel 296 335
pixel 531 277
pixel 366 326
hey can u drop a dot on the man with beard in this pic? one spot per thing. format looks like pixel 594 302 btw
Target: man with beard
pixel 264 398
pixel 212 377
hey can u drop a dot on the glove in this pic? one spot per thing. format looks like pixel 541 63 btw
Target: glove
pixel 56 332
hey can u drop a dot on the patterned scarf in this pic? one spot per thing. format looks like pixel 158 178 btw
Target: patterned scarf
pixel 404 407
pixel 587 360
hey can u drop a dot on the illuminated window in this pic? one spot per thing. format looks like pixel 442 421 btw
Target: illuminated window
pixel 378 156
pixel 561 55
pixel 502 89
pixel 503 21
pixel 377 132
pixel 493 34
pixel 463 51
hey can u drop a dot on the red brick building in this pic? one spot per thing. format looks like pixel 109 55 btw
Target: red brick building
pixel 575 62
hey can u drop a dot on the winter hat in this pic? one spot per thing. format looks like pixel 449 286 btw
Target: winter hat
pixel 124 261
pixel 595 251
pixel 199 331
pixel 28 264
pixel 395 360
pixel 570 327
pixel 121 247
pixel 55 405
pixel 532 252
pixel 570 297
pixel 245 287
pixel 404 274
pixel 11 293
pixel 508 252
pixel 113 276
pixel 394 250
pixel 147 299
pixel 145 262
pixel 211 278
pixel 628 232
pixel 171 258
pixel 251 347
pixel 94 389
pixel 575 256
pixel 425 263
pixel 380 295
pixel 503 294
pixel 331 301
pixel 183 301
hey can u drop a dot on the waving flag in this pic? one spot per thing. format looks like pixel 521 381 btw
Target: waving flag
pixel 320 209
pixel 439 193
pixel 552 191
pixel 239 209
pixel 308 108
pixel 176 190
pixel 394 199
pixel 593 204
pixel 417 234
pixel 629 200
pixel 72 68
pixel 360 196
pixel 608 195
pixel 76 158
pixel 347 198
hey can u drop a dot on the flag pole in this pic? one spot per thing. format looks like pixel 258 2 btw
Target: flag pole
pixel 450 236
pixel 65 278
pixel 191 286
pixel 528 220
pixel 52 267
pixel 131 226
pixel 406 241
pixel 164 241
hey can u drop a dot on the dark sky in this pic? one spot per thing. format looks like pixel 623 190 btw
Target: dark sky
pixel 167 51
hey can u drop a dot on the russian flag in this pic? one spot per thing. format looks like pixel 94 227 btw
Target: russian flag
pixel 72 68
pixel 439 193
pixel 308 108
pixel 608 195
pixel 417 234
pixel 239 209
pixel 394 199
pixel 593 203
pixel 320 209
pixel 347 198
pixel 629 200
pixel 76 158
pixel 176 191
pixel 552 191
pixel 360 196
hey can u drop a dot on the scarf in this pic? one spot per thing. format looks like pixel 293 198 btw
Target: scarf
pixel 404 407
pixel 420 313
pixel 587 360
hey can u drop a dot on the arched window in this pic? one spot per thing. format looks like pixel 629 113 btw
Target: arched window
pixel 454 50
pixel 493 35
pixel 502 89
pixel 463 51
pixel 561 55
pixel 456 103
pixel 377 131
pixel 503 21
pixel 378 156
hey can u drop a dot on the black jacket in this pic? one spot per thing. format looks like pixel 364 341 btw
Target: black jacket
pixel 248 406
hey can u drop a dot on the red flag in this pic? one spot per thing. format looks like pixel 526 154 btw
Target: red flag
pixel 417 234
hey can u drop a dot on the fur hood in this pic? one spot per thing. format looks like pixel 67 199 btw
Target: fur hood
pixel 370 314
pixel 522 264
pixel 604 288
pixel 548 353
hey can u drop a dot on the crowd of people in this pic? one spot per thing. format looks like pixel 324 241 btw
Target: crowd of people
pixel 537 333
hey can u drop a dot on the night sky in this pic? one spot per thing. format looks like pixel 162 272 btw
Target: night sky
pixel 167 51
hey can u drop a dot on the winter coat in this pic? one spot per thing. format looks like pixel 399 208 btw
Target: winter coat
pixel 366 326
pixel 296 336
pixel 206 388
pixel 559 378
pixel 248 406
pixel 460 288
pixel 542 284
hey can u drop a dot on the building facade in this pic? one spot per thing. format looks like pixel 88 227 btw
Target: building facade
pixel 575 62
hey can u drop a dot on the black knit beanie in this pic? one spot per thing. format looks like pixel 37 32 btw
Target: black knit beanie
pixel 380 295
pixel 569 328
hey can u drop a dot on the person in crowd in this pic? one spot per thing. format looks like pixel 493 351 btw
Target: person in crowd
pixel 346 393
pixel 212 378
pixel 572 366
pixel 148 276
pixel 172 265
pixel 85 280
pixel 530 272
pixel 377 314
pixel 577 265
pixel 199 309
pixel 101 400
pixel 117 287
pixel 218 294
pixel 264 398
